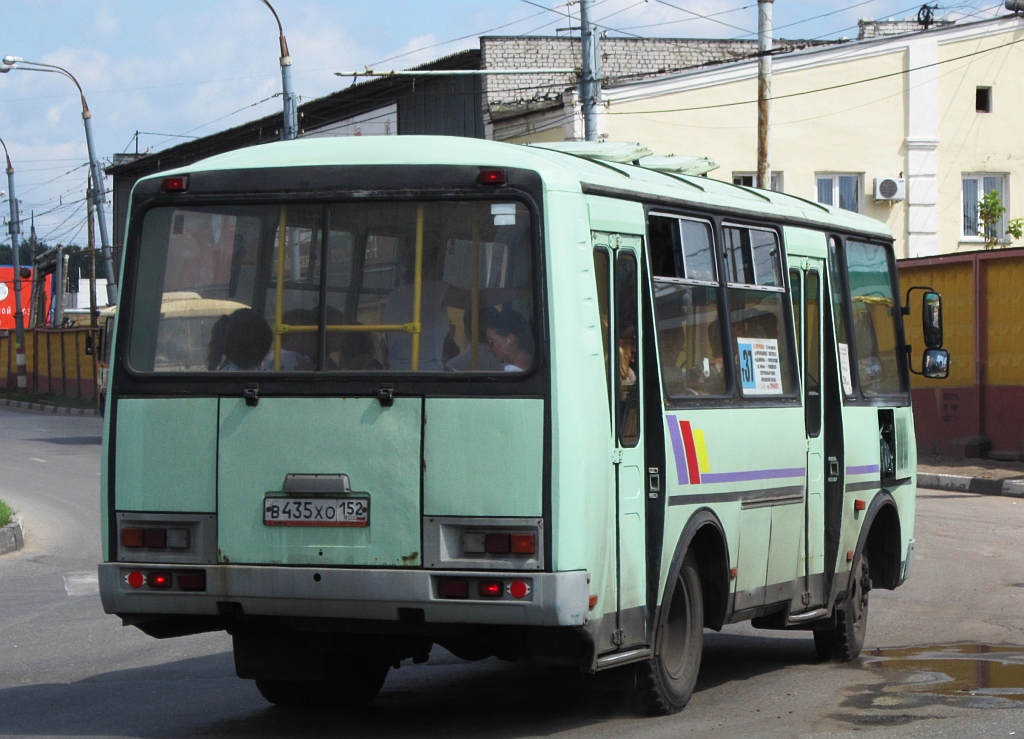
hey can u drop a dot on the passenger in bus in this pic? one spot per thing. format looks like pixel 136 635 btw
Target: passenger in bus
pixel 218 339
pixel 298 348
pixel 627 357
pixel 485 361
pixel 711 372
pixel 247 342
pixel 355 352
pixel 510 339
pixel 435 296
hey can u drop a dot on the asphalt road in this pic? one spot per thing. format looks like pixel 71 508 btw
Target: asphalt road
pixel 67 669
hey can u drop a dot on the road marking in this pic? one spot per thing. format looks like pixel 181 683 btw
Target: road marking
pixel 82 583
pixel 37 459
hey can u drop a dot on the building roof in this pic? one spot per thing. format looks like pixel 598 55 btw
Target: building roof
pixel 358 98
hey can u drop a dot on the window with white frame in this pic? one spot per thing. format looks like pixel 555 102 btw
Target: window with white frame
pixel 747 179
pixel 842 190
pixel 975 187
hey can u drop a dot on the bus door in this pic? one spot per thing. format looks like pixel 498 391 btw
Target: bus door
pixel 807 307
pixel 625 375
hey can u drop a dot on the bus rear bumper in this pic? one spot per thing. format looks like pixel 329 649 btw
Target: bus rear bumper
pixel 525 599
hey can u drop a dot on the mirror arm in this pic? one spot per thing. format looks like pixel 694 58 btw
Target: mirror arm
pixel 906 303
pixel 910 363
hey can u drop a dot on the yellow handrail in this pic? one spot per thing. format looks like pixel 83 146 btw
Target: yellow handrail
pixel 417 292
pixel 279 308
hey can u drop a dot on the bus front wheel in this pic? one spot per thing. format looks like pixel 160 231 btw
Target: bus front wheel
pixel 354 682
pixel 666 681
pixel 843 642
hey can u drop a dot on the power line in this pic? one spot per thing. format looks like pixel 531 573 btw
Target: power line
pixel 821 89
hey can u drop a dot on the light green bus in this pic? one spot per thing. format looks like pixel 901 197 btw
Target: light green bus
pixel 559 403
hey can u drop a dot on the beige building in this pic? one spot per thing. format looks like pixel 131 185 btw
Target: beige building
pixel 911 129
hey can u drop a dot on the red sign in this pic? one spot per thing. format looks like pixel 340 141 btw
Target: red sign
pixel 7 298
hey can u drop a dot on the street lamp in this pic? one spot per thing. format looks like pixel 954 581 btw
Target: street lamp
pixel 98 191
pixel 19 316
pixel 290 130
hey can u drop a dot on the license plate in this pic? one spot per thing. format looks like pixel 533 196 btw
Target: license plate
pixel 290 511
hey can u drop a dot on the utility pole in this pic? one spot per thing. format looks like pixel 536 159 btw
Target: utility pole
pixel 93 317
pixel 590 81
pixel 290 129
pixel 764 93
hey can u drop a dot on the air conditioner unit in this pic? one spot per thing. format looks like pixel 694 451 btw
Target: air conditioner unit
pixel 890 188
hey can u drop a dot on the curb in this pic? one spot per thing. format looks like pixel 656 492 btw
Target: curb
pixel 956 483
pixel 49 408
pixel 11 537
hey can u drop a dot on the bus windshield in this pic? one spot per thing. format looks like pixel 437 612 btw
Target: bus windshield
pixel 439 286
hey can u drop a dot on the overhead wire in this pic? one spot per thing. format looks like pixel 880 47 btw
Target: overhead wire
pixel 839 86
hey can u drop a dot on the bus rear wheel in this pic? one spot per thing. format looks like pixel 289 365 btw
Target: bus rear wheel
pixel 843 642
pixel 666 681
pixel 355 681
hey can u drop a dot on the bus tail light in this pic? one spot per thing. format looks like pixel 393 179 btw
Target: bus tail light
pixel 189 580
pixel 499 542
pixel 492 177
pixel 160 580
pixel 154 537
pixel 490 589
pixel 524 543
pixel 451 587
pixel 175 184
pixel 192 581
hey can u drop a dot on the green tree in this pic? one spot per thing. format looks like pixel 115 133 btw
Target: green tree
pixel 990 213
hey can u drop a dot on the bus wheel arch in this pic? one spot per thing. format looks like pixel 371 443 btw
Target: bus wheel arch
pixel 876 563
pixel 881 542
pixel 695 597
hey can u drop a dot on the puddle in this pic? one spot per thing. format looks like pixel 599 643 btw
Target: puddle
pixel 957 670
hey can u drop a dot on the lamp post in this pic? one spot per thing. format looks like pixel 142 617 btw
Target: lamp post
pixel 98 191
pixel 19 316
pixel 290 130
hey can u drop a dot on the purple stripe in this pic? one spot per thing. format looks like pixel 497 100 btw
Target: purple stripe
pixel 754 475
pixel 677 448
pixel 864 469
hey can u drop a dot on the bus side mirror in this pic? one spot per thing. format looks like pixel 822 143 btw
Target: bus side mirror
pixel 931 318
pixel 935 364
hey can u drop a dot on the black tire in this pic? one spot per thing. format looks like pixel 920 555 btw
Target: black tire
pixel 356 682
pixel 666 682
pixel 843 642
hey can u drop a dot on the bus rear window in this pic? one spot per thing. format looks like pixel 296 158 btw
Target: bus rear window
pixel 442 286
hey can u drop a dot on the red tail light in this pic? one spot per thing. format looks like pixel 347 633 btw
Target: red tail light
pixel 450 587
pixel 159 579
pixel 490 589
pixel 131 537
pixel 175 184
pixel 524 543
pixel 192 581
pixel 493 177
pixel 498 543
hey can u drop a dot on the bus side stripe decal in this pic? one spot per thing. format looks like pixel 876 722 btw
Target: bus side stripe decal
pixel 702 451
pixel 692 465
pixel 677 450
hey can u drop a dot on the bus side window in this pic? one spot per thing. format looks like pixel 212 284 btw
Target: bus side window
pixel 757 298
pixel 628 395
pixel 602 272
pixel 686 294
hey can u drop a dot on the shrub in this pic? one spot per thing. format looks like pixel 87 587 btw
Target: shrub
pixel 5 513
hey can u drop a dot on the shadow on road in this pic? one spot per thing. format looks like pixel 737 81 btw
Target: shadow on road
pixel 201 696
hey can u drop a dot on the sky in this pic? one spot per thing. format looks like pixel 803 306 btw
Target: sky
pixel 156 73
